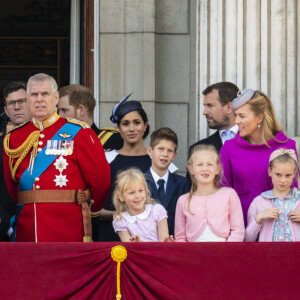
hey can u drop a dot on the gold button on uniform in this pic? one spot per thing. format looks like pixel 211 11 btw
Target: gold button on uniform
pixel 40 143
pixel 36 179
pixel 37 187
pixel 39 149
pixel 42 135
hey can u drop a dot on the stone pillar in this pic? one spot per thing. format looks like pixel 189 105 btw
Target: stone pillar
pixel 127 55
pixel 252 43
pixel 144 49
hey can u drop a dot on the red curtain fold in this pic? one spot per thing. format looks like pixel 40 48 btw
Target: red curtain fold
pixel 151 271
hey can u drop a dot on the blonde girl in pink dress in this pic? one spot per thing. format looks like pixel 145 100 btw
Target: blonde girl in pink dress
pixel 208 213
pixel 138 218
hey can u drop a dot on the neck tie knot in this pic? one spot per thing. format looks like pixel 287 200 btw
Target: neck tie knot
pixel 227 135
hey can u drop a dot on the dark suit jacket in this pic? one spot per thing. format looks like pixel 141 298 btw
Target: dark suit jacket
pixel 7 205
pixel 213 139
pixel 176 186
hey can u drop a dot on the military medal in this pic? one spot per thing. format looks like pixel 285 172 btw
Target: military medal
pixel 61 180
pixel 71 148
pixel 63 148
pixel 59 148
pixel 61 164
pixel 68 144
pixel 48 150
pixel 55 152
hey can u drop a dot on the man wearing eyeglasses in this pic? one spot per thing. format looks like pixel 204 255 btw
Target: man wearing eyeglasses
pixel 17 110
pixel 15 103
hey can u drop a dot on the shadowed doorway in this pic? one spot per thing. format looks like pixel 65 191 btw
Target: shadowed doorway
pixel 34 38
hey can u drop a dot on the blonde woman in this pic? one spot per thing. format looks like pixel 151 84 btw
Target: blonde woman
pixel 245 159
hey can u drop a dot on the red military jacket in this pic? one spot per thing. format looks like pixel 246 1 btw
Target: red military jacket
pixel 85 168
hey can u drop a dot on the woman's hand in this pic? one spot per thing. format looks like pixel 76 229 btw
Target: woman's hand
pixel 295 215
pixel 270 213
pixel 169 238
pixel 135 238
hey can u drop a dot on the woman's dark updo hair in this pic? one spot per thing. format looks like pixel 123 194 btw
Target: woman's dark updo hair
pixel 144 117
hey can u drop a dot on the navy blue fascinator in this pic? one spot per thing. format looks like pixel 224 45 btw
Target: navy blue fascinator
pixel 123 108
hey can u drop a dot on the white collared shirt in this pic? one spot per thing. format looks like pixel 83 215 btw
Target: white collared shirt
pixel 234 129
pixel 156 178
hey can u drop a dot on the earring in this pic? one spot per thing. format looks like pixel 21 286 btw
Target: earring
pixel 258 125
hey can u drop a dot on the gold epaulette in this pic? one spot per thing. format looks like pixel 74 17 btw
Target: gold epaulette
pixel 77 122
pixel 17 127
pixel 21 151
pixel 110 129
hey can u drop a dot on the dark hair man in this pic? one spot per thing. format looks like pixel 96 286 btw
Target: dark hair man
pixel 219 113
pixel 17 112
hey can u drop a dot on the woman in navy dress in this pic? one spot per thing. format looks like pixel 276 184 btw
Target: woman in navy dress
pixel 132 123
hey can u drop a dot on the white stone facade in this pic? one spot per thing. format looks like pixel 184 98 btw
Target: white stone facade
pixel 167 51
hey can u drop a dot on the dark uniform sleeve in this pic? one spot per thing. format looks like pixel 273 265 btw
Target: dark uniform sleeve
pixel 110 139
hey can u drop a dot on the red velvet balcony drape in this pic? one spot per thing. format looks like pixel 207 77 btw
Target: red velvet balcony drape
pixel 151 271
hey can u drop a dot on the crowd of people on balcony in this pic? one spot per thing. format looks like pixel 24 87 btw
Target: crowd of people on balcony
pixel 64 179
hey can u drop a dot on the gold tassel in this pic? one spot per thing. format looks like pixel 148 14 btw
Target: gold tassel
pixel 118 254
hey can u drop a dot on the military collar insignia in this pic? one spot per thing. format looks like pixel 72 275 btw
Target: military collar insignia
pixel 64 135
pixel 46 123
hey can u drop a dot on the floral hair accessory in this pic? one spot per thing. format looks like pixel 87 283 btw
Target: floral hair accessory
pixel 290 152
pixel 242 98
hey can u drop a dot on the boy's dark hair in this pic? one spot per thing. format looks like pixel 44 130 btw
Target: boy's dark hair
pixel 164 133
pixel 227 91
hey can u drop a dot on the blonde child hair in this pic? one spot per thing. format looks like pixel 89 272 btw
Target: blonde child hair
pixel 126 180
pixel 217 178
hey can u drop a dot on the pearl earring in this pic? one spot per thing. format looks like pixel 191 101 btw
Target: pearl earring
pixel 258 125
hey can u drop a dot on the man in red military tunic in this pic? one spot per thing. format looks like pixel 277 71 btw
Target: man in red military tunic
pixel 53 168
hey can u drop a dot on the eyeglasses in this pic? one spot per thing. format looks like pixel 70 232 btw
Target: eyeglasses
pixel 11 104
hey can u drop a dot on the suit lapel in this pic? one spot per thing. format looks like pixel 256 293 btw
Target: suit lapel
pixel 218 141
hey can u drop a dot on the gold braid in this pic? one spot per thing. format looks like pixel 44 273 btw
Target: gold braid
pixel 19 152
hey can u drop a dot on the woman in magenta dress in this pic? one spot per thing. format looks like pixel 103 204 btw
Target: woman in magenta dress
pixel 245 158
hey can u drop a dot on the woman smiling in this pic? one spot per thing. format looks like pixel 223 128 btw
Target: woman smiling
pixel 132 122
pixel 245 158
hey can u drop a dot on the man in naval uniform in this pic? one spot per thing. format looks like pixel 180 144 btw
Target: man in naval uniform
pixel 53 168
pixel 78 102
